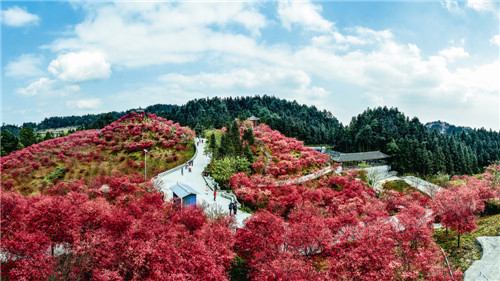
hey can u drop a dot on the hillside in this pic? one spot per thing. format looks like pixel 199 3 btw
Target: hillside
pixel 333 227
pixel 413 146
pixel 96 156
pixel 262 153
pixel 416 149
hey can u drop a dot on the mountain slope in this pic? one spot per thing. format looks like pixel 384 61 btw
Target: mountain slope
pixel 95 155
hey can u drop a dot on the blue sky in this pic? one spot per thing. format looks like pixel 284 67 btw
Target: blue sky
pixel 434 60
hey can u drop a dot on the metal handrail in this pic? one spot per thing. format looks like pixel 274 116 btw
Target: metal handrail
pixel 177 167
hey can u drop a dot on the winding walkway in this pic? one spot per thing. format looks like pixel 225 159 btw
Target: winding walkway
pixel 195 180
pixel 488 267
pixel 311 176
pixel 269 158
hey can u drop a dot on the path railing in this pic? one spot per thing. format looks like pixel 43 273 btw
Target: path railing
pixel 158 181
pixel 177 167
pixel 228 195
pixel 309 177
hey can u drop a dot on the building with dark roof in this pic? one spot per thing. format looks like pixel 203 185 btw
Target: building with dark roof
pixel 354 159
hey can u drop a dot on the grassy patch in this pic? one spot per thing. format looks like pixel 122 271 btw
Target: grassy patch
pixel 469 250
pixel 398 185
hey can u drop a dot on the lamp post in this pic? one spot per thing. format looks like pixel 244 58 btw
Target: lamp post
pixel 145 163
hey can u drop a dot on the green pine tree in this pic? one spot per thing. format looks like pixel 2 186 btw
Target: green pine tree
pixel 27 136
pixel 9 142
pixel 248 154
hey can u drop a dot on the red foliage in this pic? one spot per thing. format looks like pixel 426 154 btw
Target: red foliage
pixel 88 150
pixel 139 239
pixel 458 208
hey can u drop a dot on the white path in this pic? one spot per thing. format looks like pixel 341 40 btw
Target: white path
pixel 195 180
pixel 488 267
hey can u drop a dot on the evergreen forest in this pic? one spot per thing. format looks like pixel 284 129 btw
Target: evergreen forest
pixel 414 147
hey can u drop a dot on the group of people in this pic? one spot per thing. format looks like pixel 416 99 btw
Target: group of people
pixel 207 188
pixel 233 207
pixel 187 167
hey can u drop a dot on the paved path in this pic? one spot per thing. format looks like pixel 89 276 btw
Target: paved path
pixel 311 176
pixel 420 184
pixel 269 158
pixel 423 186
pixel 195 180
pixel 488 267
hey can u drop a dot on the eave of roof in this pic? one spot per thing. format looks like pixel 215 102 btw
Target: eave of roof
pixel 360 156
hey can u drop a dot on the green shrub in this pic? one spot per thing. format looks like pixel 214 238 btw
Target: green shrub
pixel 492 208
pixel 239 270
pixel 57 174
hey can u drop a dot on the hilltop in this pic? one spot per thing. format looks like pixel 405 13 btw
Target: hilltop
pixel 445 127
pixel 96 156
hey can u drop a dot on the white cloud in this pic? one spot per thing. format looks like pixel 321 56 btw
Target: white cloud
pixel 485 6
pixel 257 80
pixel 452 6
pixel 141 34
pixel 473 82
pixel 27 65
pixel 47 87
pixel 80 67
pixel 41 86
pixel 495 40
pixel 85 103
pixel 453 53
pixel 18 17
pixel 305 14
pixel 394 74
pixel 225 36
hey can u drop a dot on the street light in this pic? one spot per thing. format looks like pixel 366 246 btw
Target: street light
pixel 145 163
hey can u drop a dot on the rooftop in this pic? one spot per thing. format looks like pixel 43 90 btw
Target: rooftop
pixel 360 156
pixel 182 190
pixel 253 118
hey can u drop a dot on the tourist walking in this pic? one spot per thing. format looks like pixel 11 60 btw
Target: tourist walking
pixel 215 194
pixel 230 207
pixel 206 189
pixel 182 171
pixel 235 207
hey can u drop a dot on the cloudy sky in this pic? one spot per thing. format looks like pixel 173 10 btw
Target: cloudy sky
pixel 434 60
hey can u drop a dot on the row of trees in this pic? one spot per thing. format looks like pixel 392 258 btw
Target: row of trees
pixel 230 153
pixel 26 137
pixel 416 149
pixel 304 122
